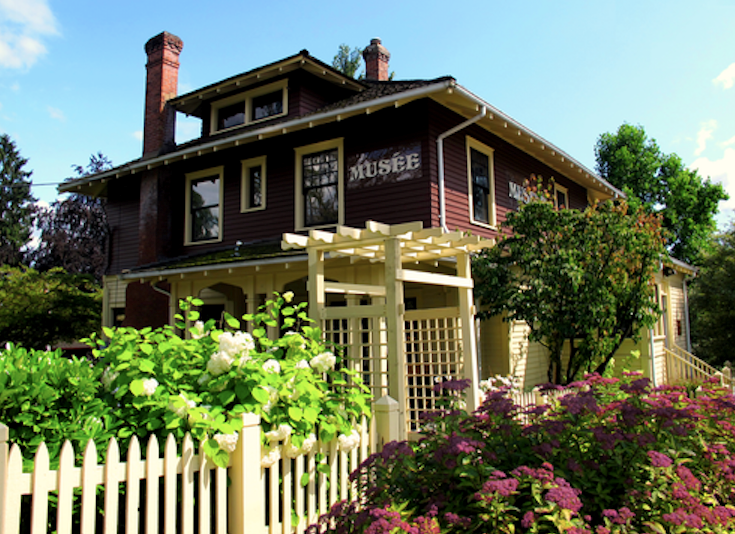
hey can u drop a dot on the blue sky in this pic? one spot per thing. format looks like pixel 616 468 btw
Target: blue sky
pixel 72 72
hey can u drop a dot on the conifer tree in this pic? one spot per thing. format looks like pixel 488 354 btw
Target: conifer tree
pixel 17 209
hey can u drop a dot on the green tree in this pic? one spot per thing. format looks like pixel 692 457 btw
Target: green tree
pixel 348 60
pixel 633 162
pixel 712 300
pixel 41 309
pixel 74 231
pixel 17 209
pixel 581 280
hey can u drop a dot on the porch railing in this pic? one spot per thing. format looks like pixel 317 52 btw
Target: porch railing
pixel 683 366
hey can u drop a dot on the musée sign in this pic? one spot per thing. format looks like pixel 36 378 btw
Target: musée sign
pixel 386 165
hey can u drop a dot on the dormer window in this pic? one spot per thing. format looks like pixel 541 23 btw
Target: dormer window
pixel 260 104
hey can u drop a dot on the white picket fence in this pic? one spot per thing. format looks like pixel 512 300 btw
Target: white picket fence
pixel 179 493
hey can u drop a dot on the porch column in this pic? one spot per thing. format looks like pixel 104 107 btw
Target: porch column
pixel 394 310
pixel 315 285
pixel 469 342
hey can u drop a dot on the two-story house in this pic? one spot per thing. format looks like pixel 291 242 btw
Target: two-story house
pixel 295 146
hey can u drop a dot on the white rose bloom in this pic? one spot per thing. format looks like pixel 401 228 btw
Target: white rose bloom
pixel 323 362
pixel 149 386
pixel 347 443
pixel 282 433
pixel 288 296
pixel 271 458
pixel 226 442
pixel 272 366
pixel 220 362
pixel 303 364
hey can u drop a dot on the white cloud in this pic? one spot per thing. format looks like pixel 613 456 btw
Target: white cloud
pixel 23 26
pixel 720 171
pixel 703 135
pixel 726 78
pixel 56 113
pixel 138 135
pixel 729 142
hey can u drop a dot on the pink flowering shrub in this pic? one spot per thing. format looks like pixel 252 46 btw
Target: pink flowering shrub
pixel 615 456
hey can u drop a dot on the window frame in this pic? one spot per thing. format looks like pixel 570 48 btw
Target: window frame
pixel 246 165
pixel 562 189
pixel 247 99
pixel 473 144
pixel 190 177
pixel 299 153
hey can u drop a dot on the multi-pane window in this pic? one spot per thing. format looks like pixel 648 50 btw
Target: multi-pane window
pixel 204 199
pixel 481 182
pixel 249 107
pixel 267 105
pixel 253 184
pixel 320 189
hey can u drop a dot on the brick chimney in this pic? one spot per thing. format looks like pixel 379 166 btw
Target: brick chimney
pixel 376 58
pixel 161 84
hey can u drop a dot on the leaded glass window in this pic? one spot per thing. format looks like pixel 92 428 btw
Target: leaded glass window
pixel 320 172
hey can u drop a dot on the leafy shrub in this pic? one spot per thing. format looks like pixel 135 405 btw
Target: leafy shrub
pixel 158 382
pixel 47 397
pixel 615 456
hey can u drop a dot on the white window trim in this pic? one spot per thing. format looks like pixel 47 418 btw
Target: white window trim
pixel 247 99
pixel 246 165
pixel 489 152
pixel 564 190
pixel 299 205
pixel 219 172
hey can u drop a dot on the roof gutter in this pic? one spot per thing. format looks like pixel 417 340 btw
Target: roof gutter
pixel 440 156
pixel 142 165
pixel 617 193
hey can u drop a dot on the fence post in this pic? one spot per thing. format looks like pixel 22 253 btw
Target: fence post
pixel 387 421
pixel 4 436
pixel 246 495
pixel 727 373
pixel 538 397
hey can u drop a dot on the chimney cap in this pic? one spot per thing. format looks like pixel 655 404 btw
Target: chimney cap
pixel 164 40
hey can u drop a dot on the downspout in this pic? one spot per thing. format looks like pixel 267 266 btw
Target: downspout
pixel 440 157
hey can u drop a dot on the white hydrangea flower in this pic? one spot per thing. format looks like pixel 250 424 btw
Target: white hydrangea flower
pixel 220 362
pixel 235 344
pixel 197 331
pixel 226 442
pixel 108 377
pixel 149 386
pixel 288 296
pixel 308 444
pixel 348 443
pixel 271 457
pixel 282 433
pixel 272 366
pixel 272 399
pixel 294 339
pixel 291 451
pixel 303 364
pixel 183 407
pixel 323 362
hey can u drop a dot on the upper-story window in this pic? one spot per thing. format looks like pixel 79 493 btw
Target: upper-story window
pixel 253 106
pixel 203 206
pixel 253 184
pixel 480 183
pixel 561 196
pixel 320 184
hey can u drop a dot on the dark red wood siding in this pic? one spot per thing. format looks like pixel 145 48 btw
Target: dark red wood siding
pixel 122 216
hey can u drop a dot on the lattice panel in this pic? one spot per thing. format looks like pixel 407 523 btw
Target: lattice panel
pixel 433 352
pixel 365 344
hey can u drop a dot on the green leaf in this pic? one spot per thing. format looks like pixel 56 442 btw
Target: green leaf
pixel 323 468
pixel 311 414
pixel 231 321
pixel 136 387
pixel 295 413
pixel 146 366
pixel 261 395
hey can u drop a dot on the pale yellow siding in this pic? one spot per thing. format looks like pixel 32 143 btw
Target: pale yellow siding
pixel 493 347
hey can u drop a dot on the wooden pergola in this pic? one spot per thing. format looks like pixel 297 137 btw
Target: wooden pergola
pixel 440 342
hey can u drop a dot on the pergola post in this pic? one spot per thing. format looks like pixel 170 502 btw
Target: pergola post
pixel 395 309
pixel 316 283
pixel 467 316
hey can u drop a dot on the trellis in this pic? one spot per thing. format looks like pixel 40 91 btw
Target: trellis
pixel 400 353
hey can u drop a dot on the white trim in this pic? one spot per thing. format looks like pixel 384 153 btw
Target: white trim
pixel 246 165
pixel 472 143
pixel 562 189
pixel 213 171
pixel 299 153
pixel 247 99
